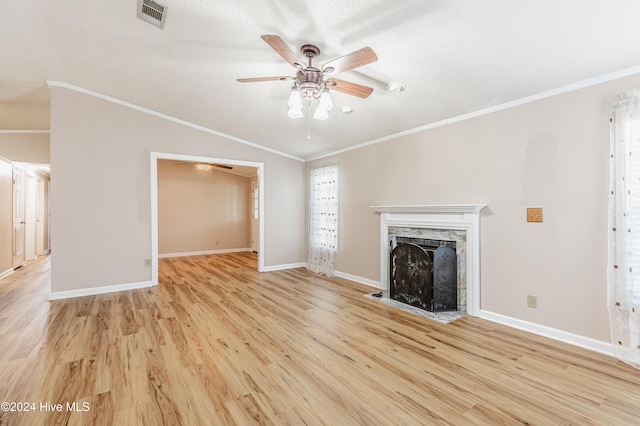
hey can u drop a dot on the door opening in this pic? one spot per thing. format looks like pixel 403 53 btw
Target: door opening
pixel 155 156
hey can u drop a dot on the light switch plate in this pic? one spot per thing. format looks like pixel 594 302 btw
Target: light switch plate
pixel 534 214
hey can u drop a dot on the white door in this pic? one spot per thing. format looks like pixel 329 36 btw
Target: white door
pixel 40 212
pixel 18 217
pixel 255 217
pixel 31 197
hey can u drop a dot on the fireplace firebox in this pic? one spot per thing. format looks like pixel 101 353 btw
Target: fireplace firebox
pixel 424 274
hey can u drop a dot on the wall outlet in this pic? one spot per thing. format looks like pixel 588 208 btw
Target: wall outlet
pixel 532 301
pixel 147 262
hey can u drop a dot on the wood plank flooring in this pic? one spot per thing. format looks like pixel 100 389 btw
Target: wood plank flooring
pixel 217 343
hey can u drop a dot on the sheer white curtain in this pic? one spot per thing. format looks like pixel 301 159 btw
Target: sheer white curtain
pixel 624 227
pixel 323 219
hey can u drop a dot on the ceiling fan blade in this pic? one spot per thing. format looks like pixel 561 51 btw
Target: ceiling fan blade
pixel 349 88
pixel 254 79
pixel 188 163
pixel 356 59
pixel 282 49
pixel 222 166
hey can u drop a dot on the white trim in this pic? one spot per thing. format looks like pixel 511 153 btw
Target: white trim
pixel 361 280
pixel 56 295
pixel 154 157
pixel 552 333
pixel 284 266
pixel 168 118
pixel 153 167
pixel 24 131
pixel 511 104
pixel 202 253
pixel 6 273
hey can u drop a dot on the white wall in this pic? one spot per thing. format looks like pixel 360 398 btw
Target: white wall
pixel 25 147
pixel 201 210
pixel 100 206
pixel 552 153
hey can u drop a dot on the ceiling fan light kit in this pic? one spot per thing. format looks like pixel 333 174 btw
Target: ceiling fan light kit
pixel 310 83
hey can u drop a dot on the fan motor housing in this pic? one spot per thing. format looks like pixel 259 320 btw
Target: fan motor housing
pixel 310 50
pixel 309 81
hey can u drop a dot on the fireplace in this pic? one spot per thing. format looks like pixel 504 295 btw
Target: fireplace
pixel 424 274
pixel 428 228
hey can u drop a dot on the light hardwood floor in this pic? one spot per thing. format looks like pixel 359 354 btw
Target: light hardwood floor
pixel 219 343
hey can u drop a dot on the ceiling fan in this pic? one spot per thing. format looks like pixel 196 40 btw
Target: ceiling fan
pixel 310 82
pixel 205 166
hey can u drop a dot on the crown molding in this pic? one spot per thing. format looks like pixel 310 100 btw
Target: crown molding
pixel 24 131
pixel 168 118
pixel 507 105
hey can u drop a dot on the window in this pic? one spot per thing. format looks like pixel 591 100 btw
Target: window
pixel 624 227
pixel 323 218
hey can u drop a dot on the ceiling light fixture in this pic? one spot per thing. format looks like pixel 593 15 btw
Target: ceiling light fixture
pixel 203 167
pixel 311 83
pixel 310 86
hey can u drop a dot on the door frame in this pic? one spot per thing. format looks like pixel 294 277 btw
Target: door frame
pixel 155 156
pixel 40 217
pixel 255 246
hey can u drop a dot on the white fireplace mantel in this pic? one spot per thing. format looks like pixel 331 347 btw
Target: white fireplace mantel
pixel 462 217
pixel 435 208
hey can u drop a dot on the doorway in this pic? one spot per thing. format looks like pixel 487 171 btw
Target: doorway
pixel 155 156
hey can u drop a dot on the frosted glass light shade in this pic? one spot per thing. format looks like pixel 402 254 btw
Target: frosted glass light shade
pixel 325 101
pixel 295 113
pixel 295 100
pixel 321 114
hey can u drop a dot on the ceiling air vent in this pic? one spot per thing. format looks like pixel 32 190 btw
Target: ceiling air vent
pixel 152 12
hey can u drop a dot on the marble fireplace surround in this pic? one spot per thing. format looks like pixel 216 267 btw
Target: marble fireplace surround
pixel 456 222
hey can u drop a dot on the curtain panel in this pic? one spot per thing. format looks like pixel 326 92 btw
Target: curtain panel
pixel 624 227
pixel 323 219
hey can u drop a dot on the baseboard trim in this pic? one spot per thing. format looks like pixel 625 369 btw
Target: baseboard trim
pixel 284 266
pixel 56 295
pixel 6 273
pixel 360 280
pixel 201 253
pixel 552 333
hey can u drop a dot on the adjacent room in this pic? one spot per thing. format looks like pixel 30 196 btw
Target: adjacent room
pixel 418 212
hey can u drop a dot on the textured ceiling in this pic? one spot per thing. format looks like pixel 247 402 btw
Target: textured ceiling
pixel 454 57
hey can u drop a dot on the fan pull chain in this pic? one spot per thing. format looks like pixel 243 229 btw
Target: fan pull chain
pixel 308 129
